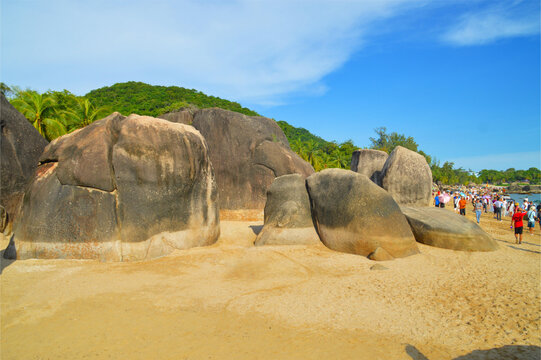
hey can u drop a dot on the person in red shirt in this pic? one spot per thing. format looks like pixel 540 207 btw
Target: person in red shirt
pixel 517 219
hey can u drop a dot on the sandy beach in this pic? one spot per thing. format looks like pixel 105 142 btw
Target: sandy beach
pixel 236 301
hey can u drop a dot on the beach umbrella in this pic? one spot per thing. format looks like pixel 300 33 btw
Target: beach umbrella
pixel 446 198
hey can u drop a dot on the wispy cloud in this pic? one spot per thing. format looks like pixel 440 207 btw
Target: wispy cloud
pixel 255 51
pixel 498 21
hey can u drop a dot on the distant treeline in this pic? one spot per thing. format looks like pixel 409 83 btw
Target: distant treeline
pixel 532 175
pixel 55 113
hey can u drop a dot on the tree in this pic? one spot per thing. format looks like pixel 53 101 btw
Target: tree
pixel 313 155
pixel 40 110
pixel 5 90
pixel 387 142
pixel 83 113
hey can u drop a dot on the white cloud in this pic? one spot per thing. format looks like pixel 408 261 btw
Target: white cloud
pixel 492 24
pixel 254 51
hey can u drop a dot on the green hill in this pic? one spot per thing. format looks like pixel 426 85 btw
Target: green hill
pixel 144 99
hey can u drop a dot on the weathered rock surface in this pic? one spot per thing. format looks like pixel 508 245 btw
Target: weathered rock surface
pixel 407 177
pixel 120 189
pixel 288 219
pixel 247 153
pixel 445 229
pixel 3 218
pixel 524 189
pixel 368 162
pixel 184 116
pixel 354 215
pixel 20 148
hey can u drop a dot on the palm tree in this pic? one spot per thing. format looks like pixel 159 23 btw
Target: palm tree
pixel 40 110
pixel 84 113
pixel 313 154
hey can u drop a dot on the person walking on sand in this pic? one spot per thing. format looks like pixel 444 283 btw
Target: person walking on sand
pixel 525 204
pixel 531 215
pixel 498 209
pixel 511 209
pixel 503 209
pixel 517 219
pixel 462 205
pixel 478 209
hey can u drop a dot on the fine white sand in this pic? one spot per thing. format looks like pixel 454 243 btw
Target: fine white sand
pixel 236 301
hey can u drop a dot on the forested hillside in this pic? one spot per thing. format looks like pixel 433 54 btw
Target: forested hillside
pixel 143 99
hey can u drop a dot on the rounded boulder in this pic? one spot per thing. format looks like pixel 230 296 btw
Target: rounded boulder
pixel 368 162
pixel 407 177
pixel 20 148
pixel 247 152
pixel 447 230
pixel 288 219
pixel 354 215
pixel 120 189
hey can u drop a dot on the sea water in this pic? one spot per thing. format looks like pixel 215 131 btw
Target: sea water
pixel 536 198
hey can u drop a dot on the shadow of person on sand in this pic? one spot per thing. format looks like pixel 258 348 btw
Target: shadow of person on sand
pixel 508 243
pixel 256 228
pixel 7 256
pixel 508 352
pixel 521 249
pixel 524 242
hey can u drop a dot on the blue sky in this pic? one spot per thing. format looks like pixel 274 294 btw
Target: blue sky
pixel 460 76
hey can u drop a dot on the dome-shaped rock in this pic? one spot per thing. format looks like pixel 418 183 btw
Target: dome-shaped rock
pixel 354 215
pixel 20 148
pixel 407 177
pixel 120 189
pixel 368 162
pixel 182 116
pixel 247 153
pixel 288 220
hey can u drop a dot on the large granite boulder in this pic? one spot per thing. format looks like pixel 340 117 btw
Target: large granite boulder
pixel 247 153
pixel 368 162
pixel 448 230
pixel 120 189
pixel 354 215
pixel 182 116
pixel 288 218
pixel 407 177
pixel 20 148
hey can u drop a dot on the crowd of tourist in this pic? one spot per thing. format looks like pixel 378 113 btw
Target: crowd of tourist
pixel 496 203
